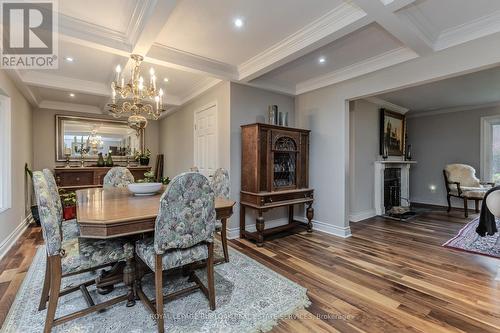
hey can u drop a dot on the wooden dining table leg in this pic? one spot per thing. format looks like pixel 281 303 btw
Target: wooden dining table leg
pixel 129 278
pixel 223 236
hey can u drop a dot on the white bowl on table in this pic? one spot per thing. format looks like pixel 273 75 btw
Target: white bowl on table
pixel 141 189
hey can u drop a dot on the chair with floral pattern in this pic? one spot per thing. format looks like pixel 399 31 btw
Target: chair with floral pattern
pixel 183 235
pixel 70 257
pixel 69 228
pixel 221 187
pixel 118 177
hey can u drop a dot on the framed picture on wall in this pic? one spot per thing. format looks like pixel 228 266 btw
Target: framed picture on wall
pixel 392 133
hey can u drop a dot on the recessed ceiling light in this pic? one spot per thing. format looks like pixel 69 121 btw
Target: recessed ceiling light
pixel 321 60
pixel 238 22
pixel 69 59
pixel 165 79
pixel 71 95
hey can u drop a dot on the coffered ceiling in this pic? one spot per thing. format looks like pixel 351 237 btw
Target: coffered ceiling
pixel 290 46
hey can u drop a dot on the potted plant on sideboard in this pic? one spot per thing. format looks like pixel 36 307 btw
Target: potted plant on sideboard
pixel 143 157
pixel 69 204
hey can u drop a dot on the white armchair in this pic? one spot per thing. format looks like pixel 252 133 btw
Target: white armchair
pixel 461 182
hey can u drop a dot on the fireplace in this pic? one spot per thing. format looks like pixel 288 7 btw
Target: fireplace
pixel 392 188
pixel 392 184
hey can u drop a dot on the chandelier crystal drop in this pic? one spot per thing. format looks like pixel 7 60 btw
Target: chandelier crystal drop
pixel 135 98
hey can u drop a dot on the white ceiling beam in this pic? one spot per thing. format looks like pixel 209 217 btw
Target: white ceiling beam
pixel 25 90
pixel 395 5
pixel 64 83
pixel 73 107
pixel 335 24
pixel 387 105
pixel 169 57
pixel 408 35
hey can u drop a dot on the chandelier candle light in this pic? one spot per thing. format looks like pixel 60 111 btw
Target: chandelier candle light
pixel 135 98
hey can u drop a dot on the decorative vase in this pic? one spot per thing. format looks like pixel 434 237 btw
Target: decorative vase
pixel 109 160
pixel 144 161
pixel 408 153
pixel 272 115
pixel 100 160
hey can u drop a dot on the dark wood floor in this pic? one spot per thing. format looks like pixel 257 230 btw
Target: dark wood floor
pixel 388 277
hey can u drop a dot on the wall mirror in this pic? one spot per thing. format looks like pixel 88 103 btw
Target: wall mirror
pixel 95 136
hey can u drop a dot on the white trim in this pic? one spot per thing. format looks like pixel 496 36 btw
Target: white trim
pixel 203 108
pixel 198 90
pixel 381 61
pixel 363 215
pixel 335 24
pixel 5 153
pixel 486 143
pixel 480 27
pixel 6 245
pixel 331 229
pixel 425 113
pixel 388 105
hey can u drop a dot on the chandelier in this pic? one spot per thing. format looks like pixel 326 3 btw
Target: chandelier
pixel 135 98
pixel 94 141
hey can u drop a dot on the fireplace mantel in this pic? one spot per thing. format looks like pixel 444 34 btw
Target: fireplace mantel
pixel 380 166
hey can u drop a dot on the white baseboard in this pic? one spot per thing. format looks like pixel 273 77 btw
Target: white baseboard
pixel 363 215
pixel 344 232
pixel 14 236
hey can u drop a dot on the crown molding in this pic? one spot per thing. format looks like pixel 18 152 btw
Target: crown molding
pixel 199 89
pixel 396 5
pixel 372 64
pixel 338 22
pixel 480 27
pixel 64 83
pixel 387 105
pixel 72 107
pixel 143 9
pixel 433 112
pixel 173 58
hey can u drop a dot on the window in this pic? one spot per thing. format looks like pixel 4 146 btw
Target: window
pixel 490 148
pixel 5 157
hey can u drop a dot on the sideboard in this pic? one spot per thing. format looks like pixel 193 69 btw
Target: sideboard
pixel 87 177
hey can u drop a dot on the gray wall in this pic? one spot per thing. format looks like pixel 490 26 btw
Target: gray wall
pixel 442 139
pixel 363 152
pixel 44 136
pixel 249 105
pixel 22 152
pixel 177 131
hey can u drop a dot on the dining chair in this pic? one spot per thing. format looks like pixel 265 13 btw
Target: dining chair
pixel 69 228
pixel 118 177
pixel 72 257
pixel 183 235
pixel 194 169
pixel 221 187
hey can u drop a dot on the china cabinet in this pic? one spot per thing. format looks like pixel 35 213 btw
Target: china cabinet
pixel 274 173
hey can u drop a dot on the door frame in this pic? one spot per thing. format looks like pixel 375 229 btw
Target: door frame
pixel 195 148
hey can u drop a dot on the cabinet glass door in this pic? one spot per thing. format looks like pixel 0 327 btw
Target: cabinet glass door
pixel 284 163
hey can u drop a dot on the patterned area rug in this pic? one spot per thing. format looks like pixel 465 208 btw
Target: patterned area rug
pixel 249 298
pixel 468 240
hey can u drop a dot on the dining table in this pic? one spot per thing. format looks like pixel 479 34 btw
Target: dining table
pixel 106 213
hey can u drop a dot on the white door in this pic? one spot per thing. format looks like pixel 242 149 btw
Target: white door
pixel 205 139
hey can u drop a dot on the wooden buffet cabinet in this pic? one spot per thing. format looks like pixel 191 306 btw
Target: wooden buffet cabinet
pixel 87 177
pixel 274 173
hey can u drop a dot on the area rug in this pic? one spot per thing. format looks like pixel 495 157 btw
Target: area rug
pixel 249 298
pixel 468 240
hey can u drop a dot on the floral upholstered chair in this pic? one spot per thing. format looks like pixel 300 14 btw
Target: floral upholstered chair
pixel 70 257
pixel 221 187
pixel 461 182
pixel 118 177
pixel 194 169
pixel 183 235
pixel 69 228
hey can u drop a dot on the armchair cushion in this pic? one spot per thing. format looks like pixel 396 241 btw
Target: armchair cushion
pixel 82 253
pixel 471 192
pixel 70 229
pixel 171 258
pixel 462 173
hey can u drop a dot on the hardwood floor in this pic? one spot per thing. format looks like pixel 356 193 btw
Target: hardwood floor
pixel 389 276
